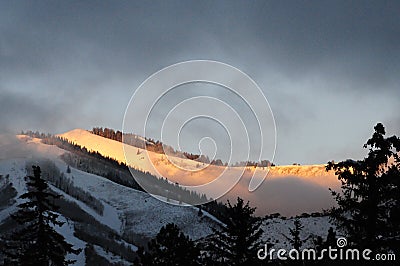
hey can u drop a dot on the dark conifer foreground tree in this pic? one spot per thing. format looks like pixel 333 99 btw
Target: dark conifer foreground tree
pixel 35 242
pixel 294 238
pixel 170 247
pixel 237 242
pixel 369 205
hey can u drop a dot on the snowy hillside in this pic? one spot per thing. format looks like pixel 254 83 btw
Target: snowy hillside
pixel 289 190
pixel 132 216
pixel 134 209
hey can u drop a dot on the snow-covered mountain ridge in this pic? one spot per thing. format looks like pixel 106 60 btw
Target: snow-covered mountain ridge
pixel 290 190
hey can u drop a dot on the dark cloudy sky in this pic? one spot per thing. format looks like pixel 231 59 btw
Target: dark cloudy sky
pixel 330 69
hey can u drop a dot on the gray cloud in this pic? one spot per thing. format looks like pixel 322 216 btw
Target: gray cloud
pixel 330 70
pixel 19 112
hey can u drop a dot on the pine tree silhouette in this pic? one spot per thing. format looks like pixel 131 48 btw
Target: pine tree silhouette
pixel 369 205
pixel 238 241
pixel 321 246
pixel 170 247
pixel 330 238
pixel 35 242
pixel 294 238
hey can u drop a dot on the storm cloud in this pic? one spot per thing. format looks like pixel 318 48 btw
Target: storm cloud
pixel 330 69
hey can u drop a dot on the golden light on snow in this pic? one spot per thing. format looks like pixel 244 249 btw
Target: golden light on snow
pixel 287 189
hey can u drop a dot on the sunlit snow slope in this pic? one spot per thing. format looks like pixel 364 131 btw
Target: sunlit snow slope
pixel 287 189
